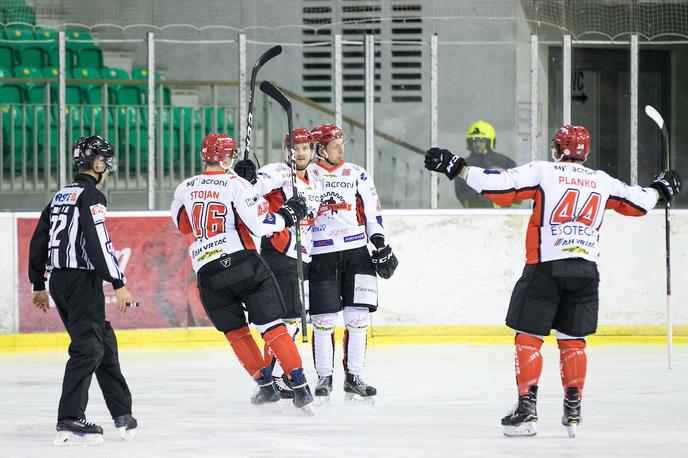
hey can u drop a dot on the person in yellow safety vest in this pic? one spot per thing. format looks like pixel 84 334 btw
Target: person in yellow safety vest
pixel 480 141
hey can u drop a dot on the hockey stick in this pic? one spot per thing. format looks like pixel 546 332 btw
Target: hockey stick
pixel 266 56
pixel 657 118
pixel 270 90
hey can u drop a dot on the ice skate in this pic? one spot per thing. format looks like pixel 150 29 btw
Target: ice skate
pixel 283 388
pixel 572 411
pixel 126 424
pixel 78 432
pixel 266 392
pixel 301 390
pixel 323 389
pixel 356 389
pixel 521 421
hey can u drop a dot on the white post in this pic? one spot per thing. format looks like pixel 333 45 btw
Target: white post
pixel 62 156
pixel 534 125
pixel 566 75
pixel 242 89
pixel 151 121
pixel 434 116
pixel 338 80
pixel 634 109
pixel 370 104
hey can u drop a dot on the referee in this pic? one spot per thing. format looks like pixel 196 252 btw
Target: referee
pixel 72 243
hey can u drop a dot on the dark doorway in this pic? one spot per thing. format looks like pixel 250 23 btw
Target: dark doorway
pixel 601 102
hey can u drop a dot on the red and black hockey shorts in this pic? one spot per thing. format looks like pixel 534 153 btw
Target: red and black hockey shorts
pixel 342 279
pixel 245 278
pixel 284 269
pixel 561 295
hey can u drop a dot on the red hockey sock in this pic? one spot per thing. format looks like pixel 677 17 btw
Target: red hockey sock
pixel 246 350
pixel 528 362
pixel 573 363
pixel 283 347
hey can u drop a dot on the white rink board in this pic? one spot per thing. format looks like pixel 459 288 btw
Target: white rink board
pixel 457 267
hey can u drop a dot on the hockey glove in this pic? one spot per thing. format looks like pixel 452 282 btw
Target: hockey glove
pixel 442 160
pixel 384 261
pixel 667 184
pixel 246 169
pixel 293 210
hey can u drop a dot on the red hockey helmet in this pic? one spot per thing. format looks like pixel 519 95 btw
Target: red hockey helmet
pixel 571 142
pixel 301 135
pixel 216 147
pixel 325 133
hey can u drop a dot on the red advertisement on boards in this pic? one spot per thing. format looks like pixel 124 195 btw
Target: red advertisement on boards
pixel 155 260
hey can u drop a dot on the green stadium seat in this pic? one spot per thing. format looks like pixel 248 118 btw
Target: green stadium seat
pixel 6 55
pixel 54 55
pixel 114 73
pixel 10 93
pixel 142 74
pixel 127 95
pixel 27 54
pixel 90 57
pixel 92 93
pixel 43 33
pixel 34 92
pixel 17 32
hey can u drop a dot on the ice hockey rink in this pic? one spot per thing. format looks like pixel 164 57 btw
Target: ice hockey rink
pixel 434 400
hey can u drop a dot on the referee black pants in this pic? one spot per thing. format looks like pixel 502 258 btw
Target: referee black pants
pixel 80 302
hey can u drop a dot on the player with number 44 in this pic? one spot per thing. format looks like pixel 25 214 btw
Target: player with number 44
pixel 559 286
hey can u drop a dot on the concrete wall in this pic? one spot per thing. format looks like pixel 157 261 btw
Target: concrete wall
pixel 457 267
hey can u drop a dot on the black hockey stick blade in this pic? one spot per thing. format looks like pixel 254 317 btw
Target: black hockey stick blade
pixel 270 90
pixel 266 56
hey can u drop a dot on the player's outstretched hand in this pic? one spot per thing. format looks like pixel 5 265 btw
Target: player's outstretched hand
pixel 293 210
pixel 385 261
pixel 124 299
pixel 40 300
pixel 246 169
pixel 442 160
pixel 667 184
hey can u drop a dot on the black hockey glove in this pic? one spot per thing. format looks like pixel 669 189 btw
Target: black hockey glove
pixel 384 261
pixel 246 169
pixel 667 184
pixel 442 160
pixel 293 210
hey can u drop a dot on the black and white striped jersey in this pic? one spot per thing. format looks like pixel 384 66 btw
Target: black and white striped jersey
pixel 71 234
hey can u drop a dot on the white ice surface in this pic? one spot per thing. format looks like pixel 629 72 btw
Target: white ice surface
pixel 433 401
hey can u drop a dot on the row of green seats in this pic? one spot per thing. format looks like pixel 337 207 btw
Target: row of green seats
pixel 21 45
pixel 24 128
pixel 77 94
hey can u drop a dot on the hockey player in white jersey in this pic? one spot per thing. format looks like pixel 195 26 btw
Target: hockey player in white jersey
pixel 219 208
pixel 559 286
pixel 273 181
pixel 342 274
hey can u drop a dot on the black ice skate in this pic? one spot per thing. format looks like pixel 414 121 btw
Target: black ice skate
pixel 266 391
pixel 78 431
pixel 126 424
pixel 356 389
pixel 572 411
pixel 323 388
pixel 521 421
pixel 302 392
pixel 284 389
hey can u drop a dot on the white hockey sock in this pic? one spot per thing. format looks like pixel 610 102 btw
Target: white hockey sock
pixel 323 343
pixel 355 339
pixel 293 329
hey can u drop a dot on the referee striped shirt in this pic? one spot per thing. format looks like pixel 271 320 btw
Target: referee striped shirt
pixel 71 234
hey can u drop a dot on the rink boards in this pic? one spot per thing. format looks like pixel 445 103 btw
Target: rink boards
pixel 456 272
